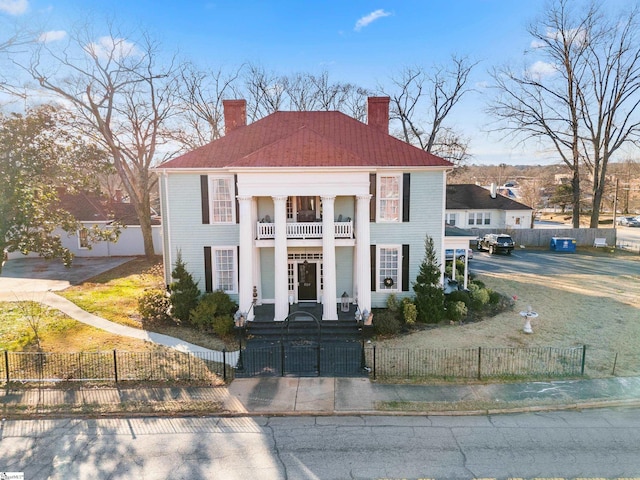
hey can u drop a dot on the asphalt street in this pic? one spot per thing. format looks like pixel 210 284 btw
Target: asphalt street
pixel 588 444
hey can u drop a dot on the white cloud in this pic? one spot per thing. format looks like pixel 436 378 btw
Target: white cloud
pixel 537 44
pixel 14 7
pixel 541 69
pixel 52 36
pixel 372 17
pixel 109 47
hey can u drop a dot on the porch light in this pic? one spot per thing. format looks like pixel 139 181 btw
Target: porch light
pixel 344 304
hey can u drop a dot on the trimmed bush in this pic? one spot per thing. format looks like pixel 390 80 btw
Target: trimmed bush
pixel 409 311
pixel 386 323
pixel 479 296
pixel 222 325
pixel 456 311
pixel 458 296
pixel 184 291
pixel 213 313
pixel 154 306
pixel 393 305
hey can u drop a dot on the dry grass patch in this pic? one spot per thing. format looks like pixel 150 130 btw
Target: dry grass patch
pixel 114 295
pixel 599 311
pixel 58 333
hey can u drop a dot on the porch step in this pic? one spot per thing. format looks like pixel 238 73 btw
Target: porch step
pixel 305 329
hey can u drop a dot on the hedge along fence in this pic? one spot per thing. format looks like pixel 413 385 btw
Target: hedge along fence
pixel 113 366
pixel 478 362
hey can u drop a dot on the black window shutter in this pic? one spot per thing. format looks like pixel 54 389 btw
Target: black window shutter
pixel 238 263
pixel 406 194
pixel 235 185
pixel 373 268
pixel 405 268
pixel 204 196
pixel 372 202
pixel 208 271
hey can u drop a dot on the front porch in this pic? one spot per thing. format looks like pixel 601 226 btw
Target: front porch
pixel 266 312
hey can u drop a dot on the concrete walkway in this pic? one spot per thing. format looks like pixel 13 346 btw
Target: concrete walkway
pixel 323 396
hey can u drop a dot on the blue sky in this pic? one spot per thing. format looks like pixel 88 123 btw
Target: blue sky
pixel 356 41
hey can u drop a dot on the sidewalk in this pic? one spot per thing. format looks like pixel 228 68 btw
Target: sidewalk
pixel 321 396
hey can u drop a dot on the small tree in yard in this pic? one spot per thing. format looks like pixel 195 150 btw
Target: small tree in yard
pixel 429 293
pixel 184 291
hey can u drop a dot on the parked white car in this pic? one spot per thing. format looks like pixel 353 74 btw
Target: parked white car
pixel 460 253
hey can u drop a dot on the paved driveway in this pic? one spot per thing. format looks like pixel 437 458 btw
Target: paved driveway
pixel 21 276
pixel 545 262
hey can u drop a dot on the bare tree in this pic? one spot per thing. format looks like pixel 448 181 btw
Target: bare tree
pixel 124 98
pixel 201 93
pixel 541 102
pixel 610 97
pixel 10 45
pixel 581 98
pixel 265 91
pixel 270 92
pixel 421 101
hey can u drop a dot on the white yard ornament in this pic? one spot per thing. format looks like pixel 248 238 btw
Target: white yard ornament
pixel 528 314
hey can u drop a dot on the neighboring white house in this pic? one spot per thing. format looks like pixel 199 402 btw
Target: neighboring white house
pixel 472 206
pixel 91 210
pixel 303 207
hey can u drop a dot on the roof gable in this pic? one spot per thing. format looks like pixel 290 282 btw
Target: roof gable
pixel 300 139
pixel 470 196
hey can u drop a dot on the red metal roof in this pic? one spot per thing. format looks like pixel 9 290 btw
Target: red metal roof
pixel 304 139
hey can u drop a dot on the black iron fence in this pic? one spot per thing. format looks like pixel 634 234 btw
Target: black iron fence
pixel 113 366
pixel 481 362
pixel 299 360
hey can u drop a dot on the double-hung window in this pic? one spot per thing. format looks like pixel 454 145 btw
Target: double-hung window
pixel 222 199
pixel 450 218
pixel 224 269
pixel 83 238
pixel 389 195
pixel 480 218
pixel 389 265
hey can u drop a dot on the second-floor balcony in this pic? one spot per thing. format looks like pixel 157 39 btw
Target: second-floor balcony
pixel 304 230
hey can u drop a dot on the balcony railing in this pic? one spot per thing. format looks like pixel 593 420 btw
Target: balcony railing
pixel 304 230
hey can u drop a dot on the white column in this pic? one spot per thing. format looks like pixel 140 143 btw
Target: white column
pixel 280 258
pixel 245 262
pixel 257 273
pixel 329 307
pixel 363 255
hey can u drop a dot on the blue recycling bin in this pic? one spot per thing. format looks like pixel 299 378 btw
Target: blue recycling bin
pixel 563 244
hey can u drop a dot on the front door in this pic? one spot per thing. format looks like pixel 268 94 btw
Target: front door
pixel 307 282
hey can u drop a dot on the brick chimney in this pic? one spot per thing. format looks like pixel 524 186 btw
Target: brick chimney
pixel 235 114
pixel 378 113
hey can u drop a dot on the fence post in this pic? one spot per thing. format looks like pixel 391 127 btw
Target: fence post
pixel 6 364
pixel 374 361
pixel 584 354
pixel 479 363
pixel 224 364
pixel 115 365
pixel 282 360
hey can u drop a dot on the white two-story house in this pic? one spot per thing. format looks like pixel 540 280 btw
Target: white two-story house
pixel 471 206
pixel 303 207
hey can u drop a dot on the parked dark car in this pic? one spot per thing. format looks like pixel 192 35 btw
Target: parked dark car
pixel 496 243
